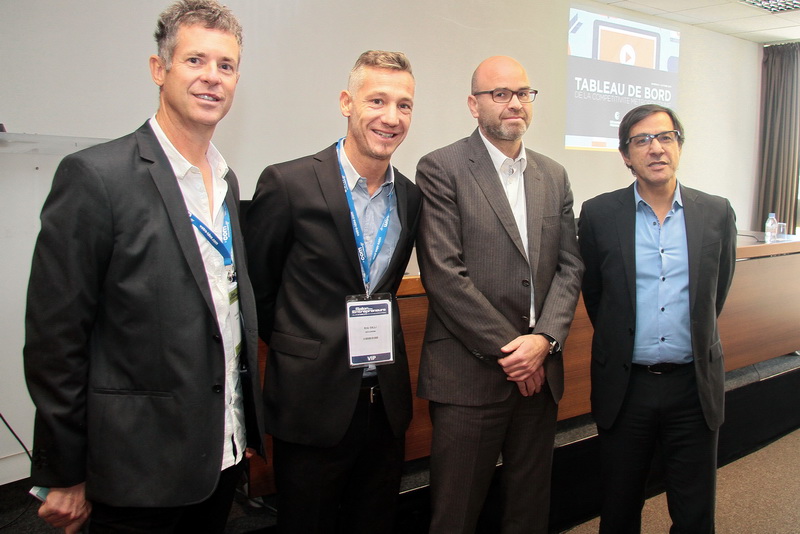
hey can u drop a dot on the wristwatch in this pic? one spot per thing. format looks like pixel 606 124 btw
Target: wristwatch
pixel 554 346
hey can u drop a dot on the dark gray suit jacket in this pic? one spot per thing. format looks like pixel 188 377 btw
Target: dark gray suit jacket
pixel 477 276
pixel 123 354
pixel 303 263
pixel 607 233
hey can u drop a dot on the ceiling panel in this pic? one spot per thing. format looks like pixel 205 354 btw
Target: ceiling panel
pixel 730 17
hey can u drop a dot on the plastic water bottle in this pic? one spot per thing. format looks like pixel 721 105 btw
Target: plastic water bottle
pixel 771 229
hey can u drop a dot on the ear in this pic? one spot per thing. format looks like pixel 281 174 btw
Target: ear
pixel 158 70
pixel 472 102
pixel 625 158
pixel 346 103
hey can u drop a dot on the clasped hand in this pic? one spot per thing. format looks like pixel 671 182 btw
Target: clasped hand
pixel 523 362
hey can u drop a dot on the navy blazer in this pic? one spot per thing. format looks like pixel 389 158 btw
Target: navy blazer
pixel 607 229
pixel 123 353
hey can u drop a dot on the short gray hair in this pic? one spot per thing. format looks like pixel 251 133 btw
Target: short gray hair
pixel 209 13
pixel 376 59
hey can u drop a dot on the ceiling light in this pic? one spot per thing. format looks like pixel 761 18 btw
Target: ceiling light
pixel 774 6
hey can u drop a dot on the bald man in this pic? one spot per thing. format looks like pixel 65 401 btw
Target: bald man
pixel 499 259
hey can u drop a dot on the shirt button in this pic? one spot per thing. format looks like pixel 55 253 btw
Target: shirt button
pixel 526 283
pixel 663 339
pixel 663 278
pixel 662 309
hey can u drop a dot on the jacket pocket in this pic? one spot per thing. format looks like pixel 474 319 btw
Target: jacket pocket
pixel 294 345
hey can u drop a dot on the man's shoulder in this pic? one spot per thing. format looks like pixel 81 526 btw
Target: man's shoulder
pixel 113 151
pixel 707 199
pixel 459 148
pixel 608 203
pixel 303 163
pixel 541 160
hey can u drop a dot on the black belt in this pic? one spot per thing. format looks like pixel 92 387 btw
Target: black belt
pixel 661 368
pixel 370 390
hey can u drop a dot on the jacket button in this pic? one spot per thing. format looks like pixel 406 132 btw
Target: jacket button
pixel 526 283
pixel 216 388
pixel 217 338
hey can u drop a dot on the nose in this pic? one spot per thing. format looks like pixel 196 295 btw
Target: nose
pixel 391 116
pixel 211 73
pixel 655 146
pixel 514 103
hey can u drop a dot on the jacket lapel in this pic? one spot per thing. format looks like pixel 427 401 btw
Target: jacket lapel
pixel 401 196
pixel 485 175
pixel 534 201
pixel 164 178
pixel 694 220
pixel 625 219
pixel 326 167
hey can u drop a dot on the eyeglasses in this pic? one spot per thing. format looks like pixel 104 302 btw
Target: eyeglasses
pixel 504 96
pixel 664 138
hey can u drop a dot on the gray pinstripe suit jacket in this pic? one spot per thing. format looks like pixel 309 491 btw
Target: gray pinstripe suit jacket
pixel 478 277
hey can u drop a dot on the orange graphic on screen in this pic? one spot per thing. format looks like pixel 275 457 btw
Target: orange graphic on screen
pixel 628 47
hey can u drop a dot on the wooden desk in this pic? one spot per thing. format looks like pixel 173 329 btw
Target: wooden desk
pixel 760 321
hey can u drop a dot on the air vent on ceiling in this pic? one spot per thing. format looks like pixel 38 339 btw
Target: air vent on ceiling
pixel 774 6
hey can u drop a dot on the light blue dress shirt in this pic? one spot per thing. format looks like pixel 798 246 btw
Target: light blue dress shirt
pixel 371 210
pixel 663 325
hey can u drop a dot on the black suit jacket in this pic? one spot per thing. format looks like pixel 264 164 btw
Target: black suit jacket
pixel 123 353
pixel 304 263
pixel 607 230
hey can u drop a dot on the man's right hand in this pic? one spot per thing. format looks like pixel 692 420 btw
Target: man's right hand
pixel 66 508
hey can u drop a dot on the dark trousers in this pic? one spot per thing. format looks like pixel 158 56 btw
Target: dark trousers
pixel 466 443
pixel 659 411
pixel 351 487
pixel 208 516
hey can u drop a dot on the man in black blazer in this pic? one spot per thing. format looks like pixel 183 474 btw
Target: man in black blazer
pixel 338 428
pixel 140 331
pixel 659 262
pixel 500 263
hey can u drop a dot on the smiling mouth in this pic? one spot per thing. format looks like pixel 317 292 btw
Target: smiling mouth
pixel 209 98
pixel 385 135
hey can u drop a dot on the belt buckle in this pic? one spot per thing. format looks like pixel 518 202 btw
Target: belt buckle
pixel 651 369
pixel 374 391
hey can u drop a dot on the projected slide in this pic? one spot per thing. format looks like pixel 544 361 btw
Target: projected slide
pixel 615 65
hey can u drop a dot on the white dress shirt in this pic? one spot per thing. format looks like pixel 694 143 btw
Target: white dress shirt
pixel 510 173
pixel 194 193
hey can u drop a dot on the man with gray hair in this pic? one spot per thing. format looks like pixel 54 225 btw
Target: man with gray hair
pixel 328 238
pixel 140 326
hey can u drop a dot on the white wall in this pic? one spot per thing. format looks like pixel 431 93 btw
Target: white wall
pixel 81 70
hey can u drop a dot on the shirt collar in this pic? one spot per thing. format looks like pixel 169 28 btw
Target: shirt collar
pixel 676 197
pixel 498 158
pixel 180 165
pixel 352 176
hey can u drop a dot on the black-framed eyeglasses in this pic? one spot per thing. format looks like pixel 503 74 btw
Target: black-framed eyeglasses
pixel 504 96
pixel 664 138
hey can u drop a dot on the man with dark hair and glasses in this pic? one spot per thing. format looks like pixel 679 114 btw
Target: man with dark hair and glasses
pixel 500 263
pixel 659 262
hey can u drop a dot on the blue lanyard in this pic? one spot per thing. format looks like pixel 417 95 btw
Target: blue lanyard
pixel 225 245
pixel 361 245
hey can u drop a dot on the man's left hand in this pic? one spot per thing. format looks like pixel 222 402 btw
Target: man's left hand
pixel 525 356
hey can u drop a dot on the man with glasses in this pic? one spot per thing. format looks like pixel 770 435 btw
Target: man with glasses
pixel 329 237
pixel 500 263
pixel 659 261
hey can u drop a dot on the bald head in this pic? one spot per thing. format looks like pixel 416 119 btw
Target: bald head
pixel 494 67
pixel 502 123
